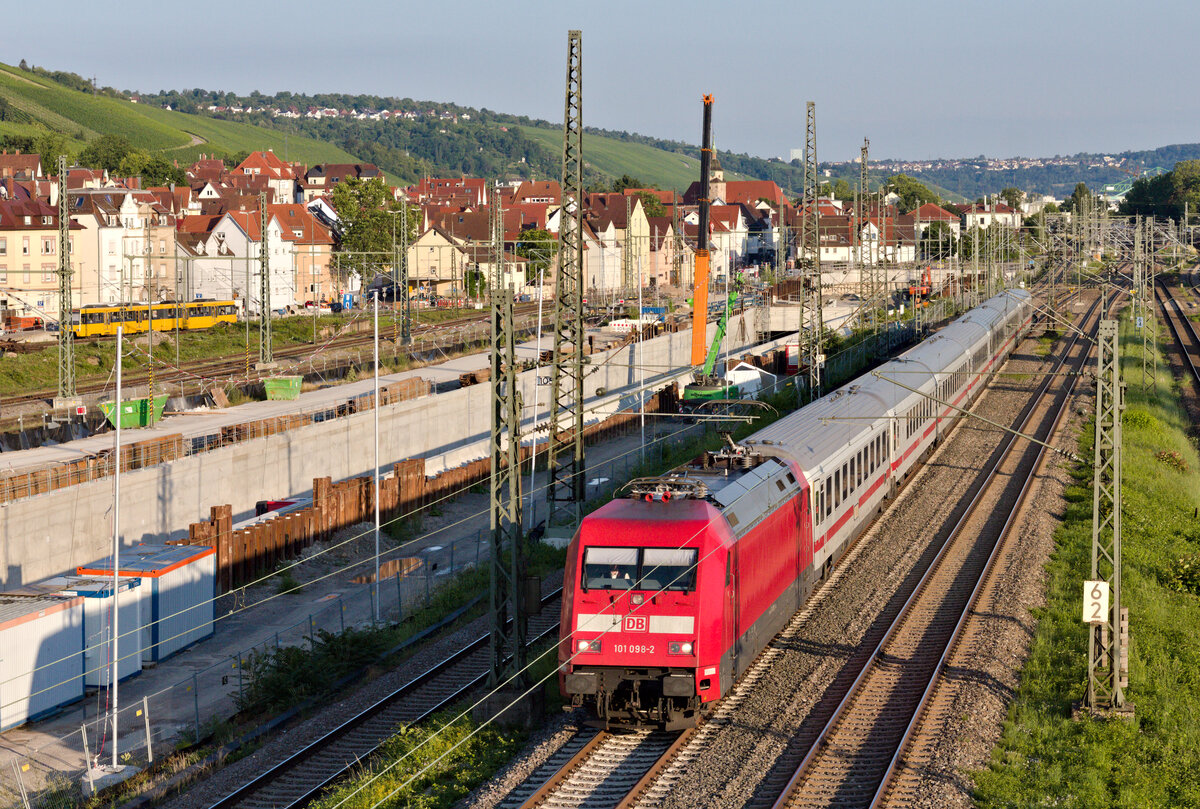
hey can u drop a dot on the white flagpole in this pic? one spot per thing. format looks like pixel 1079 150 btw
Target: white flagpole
pixel 116 543
pixel 377 456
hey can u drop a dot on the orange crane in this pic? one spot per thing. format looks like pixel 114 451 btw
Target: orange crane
pixel 700 290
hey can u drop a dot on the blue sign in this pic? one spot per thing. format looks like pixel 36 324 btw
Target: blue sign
pixel 654 310
pixel 347 300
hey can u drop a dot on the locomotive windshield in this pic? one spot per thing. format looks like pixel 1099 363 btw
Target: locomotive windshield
pixel 639 569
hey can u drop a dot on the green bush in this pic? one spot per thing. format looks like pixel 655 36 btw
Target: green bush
pixel 1184 574
pixel 1138 419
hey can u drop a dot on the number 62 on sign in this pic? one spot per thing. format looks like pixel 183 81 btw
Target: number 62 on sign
pixel 1095 602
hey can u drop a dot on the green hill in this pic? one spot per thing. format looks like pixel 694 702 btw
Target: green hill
pixel 613 158
pixel 33 103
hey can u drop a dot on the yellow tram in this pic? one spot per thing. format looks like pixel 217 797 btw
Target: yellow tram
pixel 103 319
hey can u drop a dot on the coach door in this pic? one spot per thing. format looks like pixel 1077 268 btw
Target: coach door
pixel 731 628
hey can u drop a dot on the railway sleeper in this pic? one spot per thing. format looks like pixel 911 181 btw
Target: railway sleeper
pixel 637 697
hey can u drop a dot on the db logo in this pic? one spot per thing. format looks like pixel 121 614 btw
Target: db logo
pixel 635 623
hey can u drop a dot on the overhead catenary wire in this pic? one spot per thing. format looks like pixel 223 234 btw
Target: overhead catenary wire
pixel 362 562
pixel 572 655
pixel 416 511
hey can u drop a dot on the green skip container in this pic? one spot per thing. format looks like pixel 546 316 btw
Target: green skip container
pixel 135 412
pixel 282 387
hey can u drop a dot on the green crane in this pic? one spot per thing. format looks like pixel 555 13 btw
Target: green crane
pixel 708 385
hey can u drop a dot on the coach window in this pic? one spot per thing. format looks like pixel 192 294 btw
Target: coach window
pixel 845 482
pixel 827 501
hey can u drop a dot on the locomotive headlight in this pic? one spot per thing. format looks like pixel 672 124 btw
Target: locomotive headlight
pixel 679 647
pixel 588 646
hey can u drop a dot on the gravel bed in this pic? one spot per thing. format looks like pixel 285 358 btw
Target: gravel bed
pixel 730 770
pixel 987 682
pixel 283 743
pixel 544 742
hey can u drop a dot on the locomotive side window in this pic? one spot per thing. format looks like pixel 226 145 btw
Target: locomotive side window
pixel 609 568
pixel 668 569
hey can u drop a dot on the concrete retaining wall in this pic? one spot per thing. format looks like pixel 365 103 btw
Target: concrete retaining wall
pixel 49 534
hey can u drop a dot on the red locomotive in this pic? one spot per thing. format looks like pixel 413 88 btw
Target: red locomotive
pixel 670 593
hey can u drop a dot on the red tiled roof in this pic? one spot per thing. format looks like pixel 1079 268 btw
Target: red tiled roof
pixel 16 165
pixel 751 191
pixel 929 212
pixel 293 217
pixel 268 165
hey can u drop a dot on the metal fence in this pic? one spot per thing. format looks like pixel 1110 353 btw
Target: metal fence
pixel 52 774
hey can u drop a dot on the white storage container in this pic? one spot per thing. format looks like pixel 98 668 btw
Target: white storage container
pixel 180 584
pixel 97 624
pixel 41 656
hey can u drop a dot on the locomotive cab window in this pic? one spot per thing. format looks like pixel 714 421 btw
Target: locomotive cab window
pixel 668 569
pixel 640 569
pixel 610 568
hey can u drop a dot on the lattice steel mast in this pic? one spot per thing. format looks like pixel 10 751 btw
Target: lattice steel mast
pixel 66 336
pixel 815 325
pixel 566 461
pixel 866 266
pixel 1107 666
pixel 401 272
pixel 265 354
pixel 507 539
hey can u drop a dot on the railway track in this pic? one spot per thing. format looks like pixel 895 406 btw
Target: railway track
pixel 1181 327
pixel 212 369
pixel 728 713
pixel 598 770
pixel 872 728
pixel 300 778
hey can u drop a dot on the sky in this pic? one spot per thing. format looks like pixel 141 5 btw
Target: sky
pixel 920 79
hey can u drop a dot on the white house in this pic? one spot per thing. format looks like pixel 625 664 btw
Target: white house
pixel 224 260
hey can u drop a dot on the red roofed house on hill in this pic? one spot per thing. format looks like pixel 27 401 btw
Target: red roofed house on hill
pixel 929 213
pixel 280 176
pixel 29 257
pixel 224 257
pixel 20 166
pixel 543 192
pixel 312 248
pixel 127 250
pixel 435 191
pixel 983 214
pixel 322 178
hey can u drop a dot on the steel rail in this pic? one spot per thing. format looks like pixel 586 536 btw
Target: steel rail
pixel 968 608
pixel 274 773
pixel 1164 296
pixel 872 660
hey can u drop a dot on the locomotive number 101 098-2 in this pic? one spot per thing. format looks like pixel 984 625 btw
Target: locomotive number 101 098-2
pixel 634 648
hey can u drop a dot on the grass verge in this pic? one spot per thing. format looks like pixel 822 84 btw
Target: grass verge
pixel 1044 757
